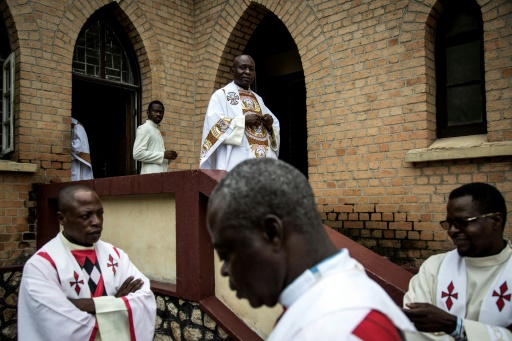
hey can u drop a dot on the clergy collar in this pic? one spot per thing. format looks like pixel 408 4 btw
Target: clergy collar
pixel 499 258
pixel 240 88
pixel 339 261
pixel 72 246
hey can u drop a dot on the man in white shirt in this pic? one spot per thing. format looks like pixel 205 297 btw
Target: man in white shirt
pixel 149 146
pixel 77 287
pixel 465 294
pixel 238 125
pixel 266 229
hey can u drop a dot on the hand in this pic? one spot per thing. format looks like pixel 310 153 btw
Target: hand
pixel 429 318
pixel 130 285
pixel 84 304
pixel 253 120
pixel 170 155
pixel 267 121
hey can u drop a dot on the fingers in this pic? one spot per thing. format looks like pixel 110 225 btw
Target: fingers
pixel 126 283
pixel 135 285
pixel 170 155
pixel 129 285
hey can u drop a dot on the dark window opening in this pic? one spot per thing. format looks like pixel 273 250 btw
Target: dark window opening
pixel 280 82
pixel 460 71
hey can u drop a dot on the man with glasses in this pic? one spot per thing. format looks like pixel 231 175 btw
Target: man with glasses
pixel 465 294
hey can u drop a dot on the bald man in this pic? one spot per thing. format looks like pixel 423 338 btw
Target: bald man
pixel 238 126
pixel 77 287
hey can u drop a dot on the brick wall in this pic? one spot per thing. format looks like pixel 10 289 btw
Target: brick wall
pixel 370 80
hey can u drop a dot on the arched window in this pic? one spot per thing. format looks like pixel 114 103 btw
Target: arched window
pixel 99 53
pixel 460 71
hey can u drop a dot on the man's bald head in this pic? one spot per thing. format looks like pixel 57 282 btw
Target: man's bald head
pixel 243 71
pixel 66 196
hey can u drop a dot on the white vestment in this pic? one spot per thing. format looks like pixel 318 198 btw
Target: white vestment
pixel 81 168
pixel 481 274
pixel 53 275
pixel 226 140
pixel 328 301
pixel 149 148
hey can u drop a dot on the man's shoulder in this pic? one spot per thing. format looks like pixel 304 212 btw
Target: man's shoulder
pixel 109 247
pixel 42 255
pixel 144 125
pixel 434 261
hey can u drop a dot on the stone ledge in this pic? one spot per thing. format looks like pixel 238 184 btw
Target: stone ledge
pixel 10 166
pixel 464 147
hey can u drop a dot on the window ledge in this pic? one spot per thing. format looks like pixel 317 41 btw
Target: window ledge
pixel 463 147
pixel 10 166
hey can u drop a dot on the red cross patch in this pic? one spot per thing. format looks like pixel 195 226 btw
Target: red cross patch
pixel 502 295
pixel 76 283
pixel 450 294
pixel 112 264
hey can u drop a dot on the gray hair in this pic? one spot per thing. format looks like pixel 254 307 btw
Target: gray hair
pixel 257 187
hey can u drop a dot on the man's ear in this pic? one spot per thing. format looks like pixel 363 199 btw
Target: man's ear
pixel 60 217
pixel 273 231
pixel 498 221
pixel 232 70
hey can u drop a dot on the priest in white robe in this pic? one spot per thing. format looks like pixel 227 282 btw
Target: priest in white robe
pixel 77 287
pixel 264 225
pixel 149 147
pixel 465 294
pixel 81 166
pixel 238 125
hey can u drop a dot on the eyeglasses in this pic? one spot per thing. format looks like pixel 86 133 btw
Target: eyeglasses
pixel 463 223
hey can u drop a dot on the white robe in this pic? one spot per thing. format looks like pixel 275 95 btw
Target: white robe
pixel 481 273
pixel 45 313
pixel 81 168
pixel 149 148
pixel 224 143
pixel 330 300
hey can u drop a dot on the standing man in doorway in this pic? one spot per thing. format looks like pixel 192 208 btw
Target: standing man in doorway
pixel 149 146
pixel 81 166
pixel 238 125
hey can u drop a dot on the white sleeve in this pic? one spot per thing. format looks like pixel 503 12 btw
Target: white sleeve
pixel 479 331
pixel 43 306
pixel 275 138
pixel 236 136
pixel 422 287
pixel 140 306
pixel 141 151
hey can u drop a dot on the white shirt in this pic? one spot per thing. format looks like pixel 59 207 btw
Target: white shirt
pixel 328 301
pixel 149 148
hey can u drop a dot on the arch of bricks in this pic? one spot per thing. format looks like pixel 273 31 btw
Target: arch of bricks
pixel 133 19
pixel 46 79
pixel 311 43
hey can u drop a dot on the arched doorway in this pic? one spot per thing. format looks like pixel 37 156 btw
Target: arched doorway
pixel 280 82
pixel 106 93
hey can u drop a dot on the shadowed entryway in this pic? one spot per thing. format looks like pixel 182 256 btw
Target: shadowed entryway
pixel 280 82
